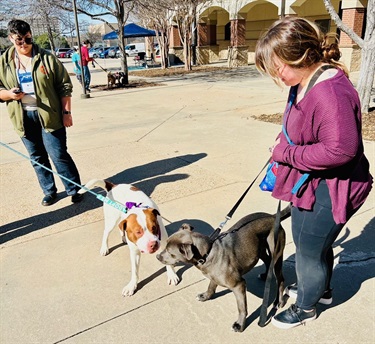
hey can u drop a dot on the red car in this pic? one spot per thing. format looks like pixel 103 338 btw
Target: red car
pixel 62 52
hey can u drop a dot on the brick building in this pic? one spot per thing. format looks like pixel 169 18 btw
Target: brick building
pixel 229 29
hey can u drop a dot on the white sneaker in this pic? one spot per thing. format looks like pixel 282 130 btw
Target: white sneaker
pixel 326 298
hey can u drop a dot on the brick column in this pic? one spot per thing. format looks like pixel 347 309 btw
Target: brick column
pixel 237 52
pixel 202 34
pixel 206 34
pixel 175 37
pixel 237 32
pixel 354 18
pixel 176 54
pixel 207 50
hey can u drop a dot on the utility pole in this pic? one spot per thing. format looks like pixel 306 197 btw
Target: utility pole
pixel 282 9
pixel 85 94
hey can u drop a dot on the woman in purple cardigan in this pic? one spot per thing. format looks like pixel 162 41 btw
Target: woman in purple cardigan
pixel 322 141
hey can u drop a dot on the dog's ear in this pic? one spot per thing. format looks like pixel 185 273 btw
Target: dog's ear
pixel 122 226
pixel 186 227
pixel 156 212
pixel 186 251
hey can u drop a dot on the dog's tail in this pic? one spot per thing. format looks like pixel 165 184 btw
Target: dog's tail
pixel 285 213
pixel 104 184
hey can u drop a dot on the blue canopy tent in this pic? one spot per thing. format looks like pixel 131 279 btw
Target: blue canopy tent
pixel 131 30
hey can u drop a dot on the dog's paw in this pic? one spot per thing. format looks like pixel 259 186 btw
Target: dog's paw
pixel 104 251
pixel 202 297
pixel 129 289
pixel 282 302
pixel 172 278
pixel 236 327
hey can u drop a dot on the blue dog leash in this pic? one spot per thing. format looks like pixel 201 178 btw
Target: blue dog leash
pixel 306 175
pixel 100 197
pixel 292 97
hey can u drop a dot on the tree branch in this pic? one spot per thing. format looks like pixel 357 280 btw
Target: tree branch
pixel 341 25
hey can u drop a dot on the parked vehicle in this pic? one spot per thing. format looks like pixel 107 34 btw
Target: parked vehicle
pixel 157 56
pixel 69 53
pixel 134 49
pixel 61 52
pixel 95 52
pixel 104 54
pixel 113 53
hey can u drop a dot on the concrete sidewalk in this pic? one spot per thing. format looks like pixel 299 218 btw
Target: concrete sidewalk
pixel 192 145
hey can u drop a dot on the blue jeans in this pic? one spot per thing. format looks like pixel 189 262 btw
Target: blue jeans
pixel 41 144
pixel 314 232
pixel 86 71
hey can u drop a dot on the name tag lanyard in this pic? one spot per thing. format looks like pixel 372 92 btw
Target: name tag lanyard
pixel 25 78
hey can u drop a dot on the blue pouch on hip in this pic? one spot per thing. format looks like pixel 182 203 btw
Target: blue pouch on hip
pixel 269 180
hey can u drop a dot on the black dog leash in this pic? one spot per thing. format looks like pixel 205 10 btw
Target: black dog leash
pixel 104 70
pixel 217 231
pixel 267 288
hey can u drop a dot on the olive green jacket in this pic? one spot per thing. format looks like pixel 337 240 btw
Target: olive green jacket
pixel 51 83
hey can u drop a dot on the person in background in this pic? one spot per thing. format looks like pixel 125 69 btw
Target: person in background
pixel 85 63
pixel 322 138
pixel 37 90
pixel 76 65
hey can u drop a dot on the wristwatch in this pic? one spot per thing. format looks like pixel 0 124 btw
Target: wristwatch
pixel 66 112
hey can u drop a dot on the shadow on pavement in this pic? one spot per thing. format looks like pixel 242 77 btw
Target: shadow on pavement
pixel 356 265
pixel 146 177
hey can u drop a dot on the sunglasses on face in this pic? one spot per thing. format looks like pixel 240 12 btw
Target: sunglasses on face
pixel 24 40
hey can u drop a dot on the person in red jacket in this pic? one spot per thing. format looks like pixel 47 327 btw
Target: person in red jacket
pixel 321 140
pixel 85 63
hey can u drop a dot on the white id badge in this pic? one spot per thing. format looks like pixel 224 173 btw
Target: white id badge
pixel 26 82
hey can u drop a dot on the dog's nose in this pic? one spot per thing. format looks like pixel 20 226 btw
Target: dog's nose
pixel 153 246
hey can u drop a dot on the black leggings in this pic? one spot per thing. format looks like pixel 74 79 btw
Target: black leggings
pixel 314 232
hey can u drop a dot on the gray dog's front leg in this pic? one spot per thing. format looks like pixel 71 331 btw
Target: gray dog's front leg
pixel 208 294
pixel 240 294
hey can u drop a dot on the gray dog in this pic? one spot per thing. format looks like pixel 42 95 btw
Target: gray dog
pixel 227 258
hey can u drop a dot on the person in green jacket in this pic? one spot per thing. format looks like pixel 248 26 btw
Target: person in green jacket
pixel 37 90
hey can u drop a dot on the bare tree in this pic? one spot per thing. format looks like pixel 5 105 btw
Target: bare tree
pixel 185 15
pixel 120 10
pixel 43 10
pixel 367 45
pixel 157 15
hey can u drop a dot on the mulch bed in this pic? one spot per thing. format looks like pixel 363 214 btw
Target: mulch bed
pixel 132 84
pixel 368 123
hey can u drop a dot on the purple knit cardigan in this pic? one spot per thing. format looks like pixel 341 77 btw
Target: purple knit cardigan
pixel 325 127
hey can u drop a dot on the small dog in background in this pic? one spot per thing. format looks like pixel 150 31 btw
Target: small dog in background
pixel 115 79
pixel 111 80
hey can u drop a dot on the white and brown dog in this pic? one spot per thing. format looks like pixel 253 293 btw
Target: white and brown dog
pixel 141 225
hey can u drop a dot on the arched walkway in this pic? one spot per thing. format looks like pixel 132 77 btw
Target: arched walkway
pixel 229 29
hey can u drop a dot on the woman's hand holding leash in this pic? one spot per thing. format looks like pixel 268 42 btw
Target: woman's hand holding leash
pixel 274 145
